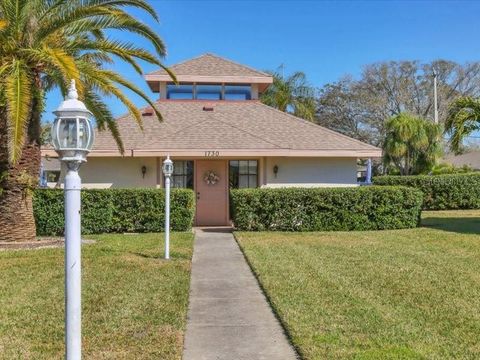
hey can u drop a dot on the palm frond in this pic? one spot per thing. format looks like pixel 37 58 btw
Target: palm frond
pixel 3 24
pixel 58 59
pixel 88 18
pixel 101 80
pixel 124 50
pixel 462 120
pixel 103 116
pixel 19 97
pixel 140 4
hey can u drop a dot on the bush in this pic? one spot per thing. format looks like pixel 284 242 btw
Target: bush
pixel 322 209
pixel 115 210
pixel 441 192
pixel 149 209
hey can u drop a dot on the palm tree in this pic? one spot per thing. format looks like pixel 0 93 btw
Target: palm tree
pixel 43 45
pixel 291 94
pixel 412 145
pixel 462 120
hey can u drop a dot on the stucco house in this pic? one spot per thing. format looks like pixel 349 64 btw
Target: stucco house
pixel 220 136
pixel 470 159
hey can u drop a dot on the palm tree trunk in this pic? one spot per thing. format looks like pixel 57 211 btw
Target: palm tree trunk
pixel 17 222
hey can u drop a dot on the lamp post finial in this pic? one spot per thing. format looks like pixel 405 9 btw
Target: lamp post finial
pixel 72 90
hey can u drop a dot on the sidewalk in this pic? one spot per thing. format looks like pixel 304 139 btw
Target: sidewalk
pixel 229 317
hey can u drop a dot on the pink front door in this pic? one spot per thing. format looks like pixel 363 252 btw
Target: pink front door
pixel 211 186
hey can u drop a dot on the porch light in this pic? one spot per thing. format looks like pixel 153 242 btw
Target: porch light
pixel 72 131
pixel 72 138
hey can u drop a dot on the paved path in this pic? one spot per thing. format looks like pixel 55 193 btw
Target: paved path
pixel 228 316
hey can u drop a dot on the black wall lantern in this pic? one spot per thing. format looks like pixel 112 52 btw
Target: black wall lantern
pixel 275 170
pixel 144 171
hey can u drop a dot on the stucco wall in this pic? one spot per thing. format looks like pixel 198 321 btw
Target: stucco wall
pixel 118 173
pixel 304 172
pixel 311 172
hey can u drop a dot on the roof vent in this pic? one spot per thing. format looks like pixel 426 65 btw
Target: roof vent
pixel 208 107
pixel 147 112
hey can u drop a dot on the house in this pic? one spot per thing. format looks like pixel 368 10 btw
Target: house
pixel 220 136
pixel 470 159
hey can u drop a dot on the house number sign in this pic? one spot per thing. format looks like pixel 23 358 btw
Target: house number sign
pixel 212 153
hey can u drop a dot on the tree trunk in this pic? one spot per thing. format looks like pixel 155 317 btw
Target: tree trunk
pixel 17 222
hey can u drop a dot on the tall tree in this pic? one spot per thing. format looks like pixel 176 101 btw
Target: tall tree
pixel 43 45
pixel 292 94
pixel 412 144
pixel 463 119
pixel 360 107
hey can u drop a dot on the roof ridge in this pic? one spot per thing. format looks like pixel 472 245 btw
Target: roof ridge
pixel 262 73
pixel 237 63
pixel 299 119
pixel 179 63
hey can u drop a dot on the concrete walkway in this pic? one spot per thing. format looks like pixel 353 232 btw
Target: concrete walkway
pixel 228 316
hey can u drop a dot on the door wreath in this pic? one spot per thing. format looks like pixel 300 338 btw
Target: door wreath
pixel 210 177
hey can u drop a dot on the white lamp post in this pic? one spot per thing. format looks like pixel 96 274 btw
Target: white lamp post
pixel 368 178
pixel 72 137
pixel 167 171
pixel 435 105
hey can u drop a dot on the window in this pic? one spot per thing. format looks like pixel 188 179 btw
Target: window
pixel 208 92
pixel 52 175
pixel 237 92
pixel 243 174
pixel 180 92
pixel 182 174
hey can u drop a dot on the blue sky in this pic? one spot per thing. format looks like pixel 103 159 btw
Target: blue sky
pixel 326 40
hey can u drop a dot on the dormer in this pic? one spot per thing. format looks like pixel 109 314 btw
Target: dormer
pixel 209 77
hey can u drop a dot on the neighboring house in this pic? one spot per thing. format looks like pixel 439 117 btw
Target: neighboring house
pixel 220 136
pixel 471 159
pixel 51 170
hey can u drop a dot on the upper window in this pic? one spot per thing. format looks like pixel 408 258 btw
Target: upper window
pixel 243 174
pixel 180 92
pixel 182 176
pixel 208 92
pixel 238 92
pixel 52 175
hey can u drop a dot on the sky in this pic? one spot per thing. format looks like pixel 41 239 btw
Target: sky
pixel 326 40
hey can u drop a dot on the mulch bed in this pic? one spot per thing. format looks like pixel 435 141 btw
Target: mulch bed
pixel 41 243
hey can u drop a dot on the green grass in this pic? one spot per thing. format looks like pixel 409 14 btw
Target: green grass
pixel 401 294
pixel 134 303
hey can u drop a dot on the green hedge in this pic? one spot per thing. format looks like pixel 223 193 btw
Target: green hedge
pixel 325 209
pixel 441 192
pixel 115 210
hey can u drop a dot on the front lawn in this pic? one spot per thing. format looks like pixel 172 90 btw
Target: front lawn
pixel 400 294
pixel 134 303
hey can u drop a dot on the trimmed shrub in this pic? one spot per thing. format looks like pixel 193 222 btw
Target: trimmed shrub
pixel 441 192
pixel 115 210
pixel 148 207
pixel 326 209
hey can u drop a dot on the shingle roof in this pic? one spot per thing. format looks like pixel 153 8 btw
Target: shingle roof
pixel 239 125
pixel 210 65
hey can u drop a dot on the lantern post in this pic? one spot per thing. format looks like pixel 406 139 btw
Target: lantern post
pixel 167 171
pixel 72 137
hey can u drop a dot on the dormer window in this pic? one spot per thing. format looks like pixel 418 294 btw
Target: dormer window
pixel 180 92
pixel 209 77
pixel 208 92
pixel 238 92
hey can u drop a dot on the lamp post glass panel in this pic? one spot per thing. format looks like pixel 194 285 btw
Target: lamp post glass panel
pixel 72 138
pixel 167 171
